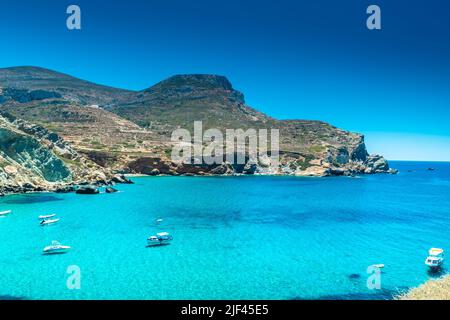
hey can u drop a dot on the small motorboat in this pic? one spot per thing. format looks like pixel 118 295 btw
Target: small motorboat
pixel 48 216
pixel 159 220
pixel 159 239
pixel 435 258
pixel 379 265
pixel 4 213
pixel 56 247
pixel 46 222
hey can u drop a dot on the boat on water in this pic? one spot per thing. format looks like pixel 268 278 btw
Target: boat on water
pixel 435 258
pixel 56 247
pixel 4 213
pixel 159 239
pixel 48 216
pixel 46 222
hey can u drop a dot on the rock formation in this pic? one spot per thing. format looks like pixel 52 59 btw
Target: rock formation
pixel 35 159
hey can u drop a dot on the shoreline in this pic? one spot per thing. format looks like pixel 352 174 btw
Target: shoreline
pixel 136 175
pixel 142 175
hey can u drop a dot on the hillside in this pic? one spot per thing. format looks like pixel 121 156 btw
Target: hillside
pixel 129 131
pixel 26 84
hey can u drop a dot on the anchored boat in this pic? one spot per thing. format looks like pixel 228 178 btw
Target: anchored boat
pixel 56 247
pixel 435 258
pixel 4 213
pixel 46 222
pixel 44 217
pixel 159 239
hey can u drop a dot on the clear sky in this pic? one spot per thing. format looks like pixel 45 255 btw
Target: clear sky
pixel 292 59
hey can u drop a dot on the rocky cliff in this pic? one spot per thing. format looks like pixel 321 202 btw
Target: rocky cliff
pixel 35 159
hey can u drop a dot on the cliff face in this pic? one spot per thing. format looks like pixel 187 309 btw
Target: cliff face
pixel 35 159
pixel 107 129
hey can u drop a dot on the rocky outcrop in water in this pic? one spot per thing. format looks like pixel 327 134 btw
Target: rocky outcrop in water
pixel 87 190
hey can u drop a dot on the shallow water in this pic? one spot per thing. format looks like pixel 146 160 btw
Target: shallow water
pixel 234 237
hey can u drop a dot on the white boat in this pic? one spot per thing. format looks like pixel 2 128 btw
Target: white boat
pixel 4 213
pixel 159 220
pixel 56 247
pixel 379 265
pixel 44 217
pixel 48 221
pixel 435 258
pixel 159 239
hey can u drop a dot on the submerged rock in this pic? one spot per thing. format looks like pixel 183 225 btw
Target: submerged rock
pixel 111 190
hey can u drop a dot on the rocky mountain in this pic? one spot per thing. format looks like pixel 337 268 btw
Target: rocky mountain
pixel 117 130
pixel 183 99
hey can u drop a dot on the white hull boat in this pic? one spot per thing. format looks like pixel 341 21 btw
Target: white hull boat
pixel 44 217
pixel 49 221
pixel 56 247
pixel 159 239
pixel 435 258
pixel 4 213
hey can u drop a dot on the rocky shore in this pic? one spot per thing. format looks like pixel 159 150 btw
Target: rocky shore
pixel 33 159
pixel 438 289
pixel 154 167
pixel 294 164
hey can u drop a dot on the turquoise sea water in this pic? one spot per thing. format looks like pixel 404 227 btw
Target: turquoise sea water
pixel 234 237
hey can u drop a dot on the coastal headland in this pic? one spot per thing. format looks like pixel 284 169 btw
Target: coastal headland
pixel 57 131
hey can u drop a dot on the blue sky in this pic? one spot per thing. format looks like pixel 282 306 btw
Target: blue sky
pixel 292 59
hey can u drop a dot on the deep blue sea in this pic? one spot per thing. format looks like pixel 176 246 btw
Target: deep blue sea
pixel 234 237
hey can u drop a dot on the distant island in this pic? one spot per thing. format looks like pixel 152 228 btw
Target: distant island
pixel 57 131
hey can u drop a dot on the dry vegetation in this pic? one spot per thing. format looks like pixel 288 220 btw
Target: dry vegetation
pixel 431 290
